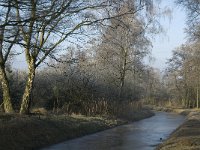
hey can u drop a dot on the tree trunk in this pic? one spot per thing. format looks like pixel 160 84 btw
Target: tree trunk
pixel 26 99
pixel 123 71
pixel 7 104
pixel 121 87
pixel 197 96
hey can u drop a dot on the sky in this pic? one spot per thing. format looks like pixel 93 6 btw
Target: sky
pixel 173 37
pixel 163 44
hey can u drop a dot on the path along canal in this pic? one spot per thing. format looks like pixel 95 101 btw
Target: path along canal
pixel 140 135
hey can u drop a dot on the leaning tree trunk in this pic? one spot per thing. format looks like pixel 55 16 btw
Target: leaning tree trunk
pixel 26 99
pixel 7 104
pixel 8 108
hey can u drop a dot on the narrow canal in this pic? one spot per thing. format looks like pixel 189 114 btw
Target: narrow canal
pixel 141 135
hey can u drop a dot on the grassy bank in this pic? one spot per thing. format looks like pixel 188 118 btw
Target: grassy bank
pixel 186 136
pixel 25 132
pixel 180 111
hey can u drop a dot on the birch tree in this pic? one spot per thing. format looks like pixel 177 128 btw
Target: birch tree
pixel 123 48
pixel 8 38
pixel 124 45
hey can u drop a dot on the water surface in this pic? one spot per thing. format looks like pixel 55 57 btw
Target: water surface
pixel 140 135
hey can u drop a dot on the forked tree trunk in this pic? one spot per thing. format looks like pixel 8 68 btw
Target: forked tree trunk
pixel 26 99
pixel 7 104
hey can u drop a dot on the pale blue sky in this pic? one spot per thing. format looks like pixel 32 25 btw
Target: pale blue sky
pixel 174 36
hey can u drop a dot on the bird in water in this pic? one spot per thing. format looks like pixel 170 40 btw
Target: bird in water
pixel 161 139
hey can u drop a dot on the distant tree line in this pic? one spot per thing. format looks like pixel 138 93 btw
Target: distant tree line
pixel 183 71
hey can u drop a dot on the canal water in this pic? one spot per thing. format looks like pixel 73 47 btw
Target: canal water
pixel 140 135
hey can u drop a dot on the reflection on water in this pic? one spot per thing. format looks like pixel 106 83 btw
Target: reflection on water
pixel 141 135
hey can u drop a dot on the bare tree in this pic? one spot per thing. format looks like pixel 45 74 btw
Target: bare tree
pixel 183 71
pixel 192 8
pixel 8 37
pixel 123 47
